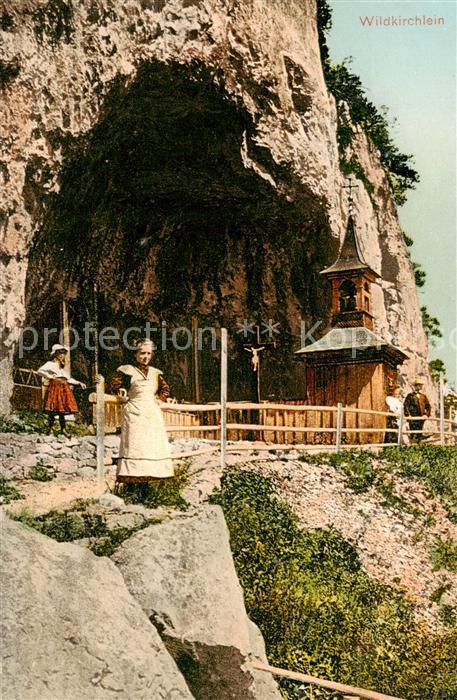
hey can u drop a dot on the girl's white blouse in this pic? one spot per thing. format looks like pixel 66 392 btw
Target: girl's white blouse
pixel 52 370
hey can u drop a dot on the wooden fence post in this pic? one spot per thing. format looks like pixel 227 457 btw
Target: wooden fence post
pixel 339 425
pixel 442 438
pixel 401 418
pixel 100 426
pixel 223 395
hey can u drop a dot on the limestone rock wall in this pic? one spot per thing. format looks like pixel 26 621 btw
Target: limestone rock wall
pixel 70 628
pixel 58 60
pixel 182 573
pixel 87 631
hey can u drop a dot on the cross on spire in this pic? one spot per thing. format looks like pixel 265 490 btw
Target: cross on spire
pixel 350 187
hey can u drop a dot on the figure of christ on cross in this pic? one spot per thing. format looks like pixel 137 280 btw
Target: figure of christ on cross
pixel 254 349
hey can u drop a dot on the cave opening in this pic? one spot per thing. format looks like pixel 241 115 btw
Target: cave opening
pixel 160 210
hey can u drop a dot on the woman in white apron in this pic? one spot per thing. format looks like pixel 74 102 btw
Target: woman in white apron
pixel 144 453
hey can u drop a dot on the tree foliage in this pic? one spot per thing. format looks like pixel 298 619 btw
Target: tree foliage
pixel 419 274
pixel 348 90
pixel 324 24
pixel 352 100
pixel 408 240
pixel 437 367
pixel 431 326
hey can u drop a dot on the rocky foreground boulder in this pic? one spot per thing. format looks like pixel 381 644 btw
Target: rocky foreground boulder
pixel 182 573
pixel 72 631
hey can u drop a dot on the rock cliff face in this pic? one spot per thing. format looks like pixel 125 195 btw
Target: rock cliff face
pixel 88 632
pixel 182 154
pixel 70 618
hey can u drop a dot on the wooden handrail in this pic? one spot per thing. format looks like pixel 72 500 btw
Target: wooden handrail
pixel 241 405
pixel 264 409
pixel 266 428
pixel 192 428
pixel 332 685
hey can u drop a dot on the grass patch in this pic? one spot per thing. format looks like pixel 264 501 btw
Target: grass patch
pixel 67 526
pixel 81 504
pixel 41 473
pixel 31 421
pixel 432 465
pixel 106 546
pixel 163 492
pixel 8 493
pixel 318 610
pixel 443 555
pixel 356 465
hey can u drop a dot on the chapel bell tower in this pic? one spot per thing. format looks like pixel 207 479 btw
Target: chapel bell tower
pixel 351 280
pixel 351 364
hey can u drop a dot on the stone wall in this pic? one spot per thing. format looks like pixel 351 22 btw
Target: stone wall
pixel 63 457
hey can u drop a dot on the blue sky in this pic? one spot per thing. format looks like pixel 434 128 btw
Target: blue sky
pixel 411 70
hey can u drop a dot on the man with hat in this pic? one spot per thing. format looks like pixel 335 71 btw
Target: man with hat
pixel 58 399
pixel 417 405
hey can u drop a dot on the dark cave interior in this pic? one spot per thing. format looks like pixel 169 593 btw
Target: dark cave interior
pixel 159 210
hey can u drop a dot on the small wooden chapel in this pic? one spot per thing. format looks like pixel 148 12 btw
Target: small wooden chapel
pixel 350 363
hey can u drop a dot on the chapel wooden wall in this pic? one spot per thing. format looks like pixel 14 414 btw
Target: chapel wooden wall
pixel 361 385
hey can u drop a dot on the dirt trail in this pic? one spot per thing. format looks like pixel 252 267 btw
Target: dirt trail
pixel 41 497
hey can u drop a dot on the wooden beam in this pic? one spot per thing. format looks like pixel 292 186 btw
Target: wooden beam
pixel 341 687
pixel 223 394
pixel 65 330
pixel 195 360
pixel 100 426
pixel 339 428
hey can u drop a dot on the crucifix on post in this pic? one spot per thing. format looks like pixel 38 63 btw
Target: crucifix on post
pixel 255 349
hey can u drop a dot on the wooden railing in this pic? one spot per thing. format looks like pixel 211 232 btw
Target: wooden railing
pixel 287 424
pixel 27 389
pixel 350 691
pixel 278 423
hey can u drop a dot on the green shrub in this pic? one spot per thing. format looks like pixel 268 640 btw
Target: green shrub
pixel 433 465
pixel 348 90
pixel 8 492
pixel 318 610
pixel 448 615
pixel 106 545
pixel 68 526
pixel 437 594
pixel 385 485
pixel 28 420
pixel 41 473
pixel 81 504
pixel 160 492
pixel 78 429
pixel 443 554
pixel 63 527
pixel 356 465
pixel 25 421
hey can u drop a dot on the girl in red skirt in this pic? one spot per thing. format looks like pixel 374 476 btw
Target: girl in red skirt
pixel 58 399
